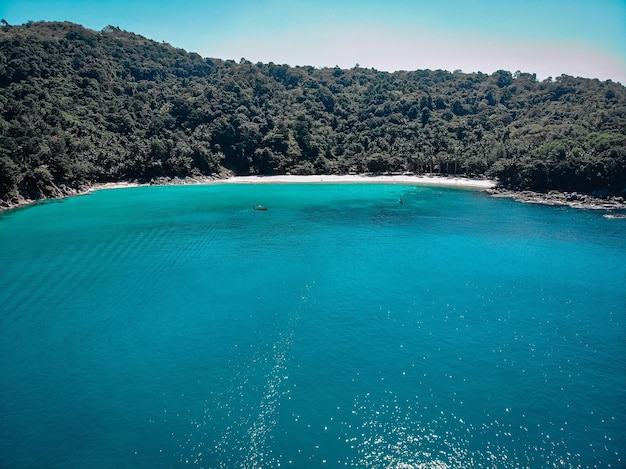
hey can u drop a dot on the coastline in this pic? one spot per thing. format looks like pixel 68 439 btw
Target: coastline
pixel 59 193
pixel 491 187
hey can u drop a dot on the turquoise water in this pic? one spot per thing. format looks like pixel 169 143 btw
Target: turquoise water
pixel 177 327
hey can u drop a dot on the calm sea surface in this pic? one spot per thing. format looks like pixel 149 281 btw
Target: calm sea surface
pixel 177 327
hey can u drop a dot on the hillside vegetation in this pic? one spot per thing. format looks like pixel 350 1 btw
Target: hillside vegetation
pixel 79 107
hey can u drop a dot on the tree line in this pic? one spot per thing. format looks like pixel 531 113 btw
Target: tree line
pixel 79 107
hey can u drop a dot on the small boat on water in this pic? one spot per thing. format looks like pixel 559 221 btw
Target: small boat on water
pixel 259 207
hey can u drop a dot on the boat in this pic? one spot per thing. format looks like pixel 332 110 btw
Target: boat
pixel 259 207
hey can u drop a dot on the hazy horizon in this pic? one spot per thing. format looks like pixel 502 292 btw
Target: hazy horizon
pixel 548 38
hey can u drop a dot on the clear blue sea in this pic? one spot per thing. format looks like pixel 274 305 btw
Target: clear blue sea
pixel 177 327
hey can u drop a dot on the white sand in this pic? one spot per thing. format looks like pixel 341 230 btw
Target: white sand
pixel 397 179
pixel 289 179
pixel 113 185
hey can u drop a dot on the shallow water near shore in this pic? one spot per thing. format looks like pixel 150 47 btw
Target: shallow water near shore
pixel 177 327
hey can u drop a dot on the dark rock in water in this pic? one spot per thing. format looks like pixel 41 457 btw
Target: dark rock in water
pixel 570 199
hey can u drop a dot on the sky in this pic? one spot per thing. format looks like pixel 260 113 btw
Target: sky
pixel 584 38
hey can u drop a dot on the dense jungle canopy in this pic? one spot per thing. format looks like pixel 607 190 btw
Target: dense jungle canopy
pixel 79 107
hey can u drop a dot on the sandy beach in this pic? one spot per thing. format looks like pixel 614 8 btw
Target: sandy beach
pixel 460 182
pixel 363 178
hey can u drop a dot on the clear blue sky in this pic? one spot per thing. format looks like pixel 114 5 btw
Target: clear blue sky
pixel 547 37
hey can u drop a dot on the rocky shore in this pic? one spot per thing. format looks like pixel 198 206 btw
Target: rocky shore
pixel 568 199
pixel 50 192
pixel 54 192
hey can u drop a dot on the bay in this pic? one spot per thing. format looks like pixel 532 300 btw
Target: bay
pixel 176 327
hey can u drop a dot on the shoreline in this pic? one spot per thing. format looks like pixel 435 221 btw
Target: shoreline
pixel 62 192
pixel 553 198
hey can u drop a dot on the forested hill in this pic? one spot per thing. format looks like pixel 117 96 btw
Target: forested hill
pixel 79 106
